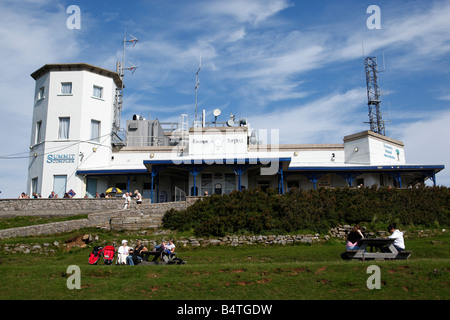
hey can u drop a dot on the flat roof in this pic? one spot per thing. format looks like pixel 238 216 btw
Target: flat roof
pixel 353 167
pixel 76 67
pixel 368 133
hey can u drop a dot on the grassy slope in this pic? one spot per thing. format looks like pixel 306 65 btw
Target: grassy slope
pixel 224 273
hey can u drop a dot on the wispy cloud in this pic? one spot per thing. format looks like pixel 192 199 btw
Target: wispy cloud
pixel 259 60
pixel 249 11
pixel 415 34
pixel 426 142
pixel 325 120
pixel 33 33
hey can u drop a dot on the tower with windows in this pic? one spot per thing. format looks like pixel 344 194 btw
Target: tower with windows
pixel 73 115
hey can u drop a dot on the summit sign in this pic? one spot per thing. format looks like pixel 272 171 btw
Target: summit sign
pixel 61 158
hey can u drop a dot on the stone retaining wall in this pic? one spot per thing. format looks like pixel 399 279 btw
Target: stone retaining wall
pixel 10 208
pixel 108 214
pixel 41 229
pixel 102 213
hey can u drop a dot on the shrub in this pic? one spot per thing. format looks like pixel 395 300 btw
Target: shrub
pixel 259 212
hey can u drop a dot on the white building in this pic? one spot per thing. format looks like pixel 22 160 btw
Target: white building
pixel 75 146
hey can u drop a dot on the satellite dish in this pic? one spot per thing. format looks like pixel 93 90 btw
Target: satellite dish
pixel 230 122
pixel 217 112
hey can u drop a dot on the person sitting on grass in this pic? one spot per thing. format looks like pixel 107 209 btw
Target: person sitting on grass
pixel 123 252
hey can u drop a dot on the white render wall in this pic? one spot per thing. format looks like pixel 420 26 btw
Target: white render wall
pixel 368 148
pixel 81 107
pixel 82 154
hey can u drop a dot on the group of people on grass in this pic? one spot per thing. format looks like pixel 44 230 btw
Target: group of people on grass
pixel 356 234
pixel 128 256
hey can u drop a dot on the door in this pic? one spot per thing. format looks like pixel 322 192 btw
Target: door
pixel 91 187
pixel 59 185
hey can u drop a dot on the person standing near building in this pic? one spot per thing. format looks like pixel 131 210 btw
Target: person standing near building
pixel 137 197
pixel 127 200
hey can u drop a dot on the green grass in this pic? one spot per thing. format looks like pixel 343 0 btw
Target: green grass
pixel 252 272
pixel 24 221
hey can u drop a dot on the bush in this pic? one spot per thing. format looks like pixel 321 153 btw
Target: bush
pixel 258 212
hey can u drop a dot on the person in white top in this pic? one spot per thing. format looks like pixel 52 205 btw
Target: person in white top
pixel 127 200
pixel 399 242
pixel 123 252
pixel 137 197
pixel 170 248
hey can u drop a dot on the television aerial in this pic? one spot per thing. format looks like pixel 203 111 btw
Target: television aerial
pixel 132 68
pixel 197 85
pixel 133 40
pixel 120 69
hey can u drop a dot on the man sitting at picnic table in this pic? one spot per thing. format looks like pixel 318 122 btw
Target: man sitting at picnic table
pixel 397 235
pixel 136 255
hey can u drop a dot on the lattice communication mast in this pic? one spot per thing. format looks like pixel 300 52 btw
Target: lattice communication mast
pixel 373 96
pixel 120 69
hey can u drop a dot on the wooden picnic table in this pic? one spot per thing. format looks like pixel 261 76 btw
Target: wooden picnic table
pixel 163 257
pixel 156 254
pixel 376 248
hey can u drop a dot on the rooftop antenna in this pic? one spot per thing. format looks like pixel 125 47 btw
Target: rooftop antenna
pixel 197 84
pixel 132 68
pixel 118 104
pixel 373 96
pixel 133 41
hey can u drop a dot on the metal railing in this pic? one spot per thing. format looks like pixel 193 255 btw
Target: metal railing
pixel 180 195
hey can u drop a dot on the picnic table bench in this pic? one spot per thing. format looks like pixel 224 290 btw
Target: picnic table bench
pixel 163 256
pixel 379 249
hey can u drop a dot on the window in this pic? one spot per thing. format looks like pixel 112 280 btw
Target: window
pixel 206 183
pixel 97 92
pixel 291 184
pixel 38 132
pixel 34 186
pixel 230 182
pixel 59 185
pixel 95 131
pixel 66 88
pixel 121 185
pixel 63 132
pixel 40 94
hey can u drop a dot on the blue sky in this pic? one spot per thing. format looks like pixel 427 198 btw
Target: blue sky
pixel 296 66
